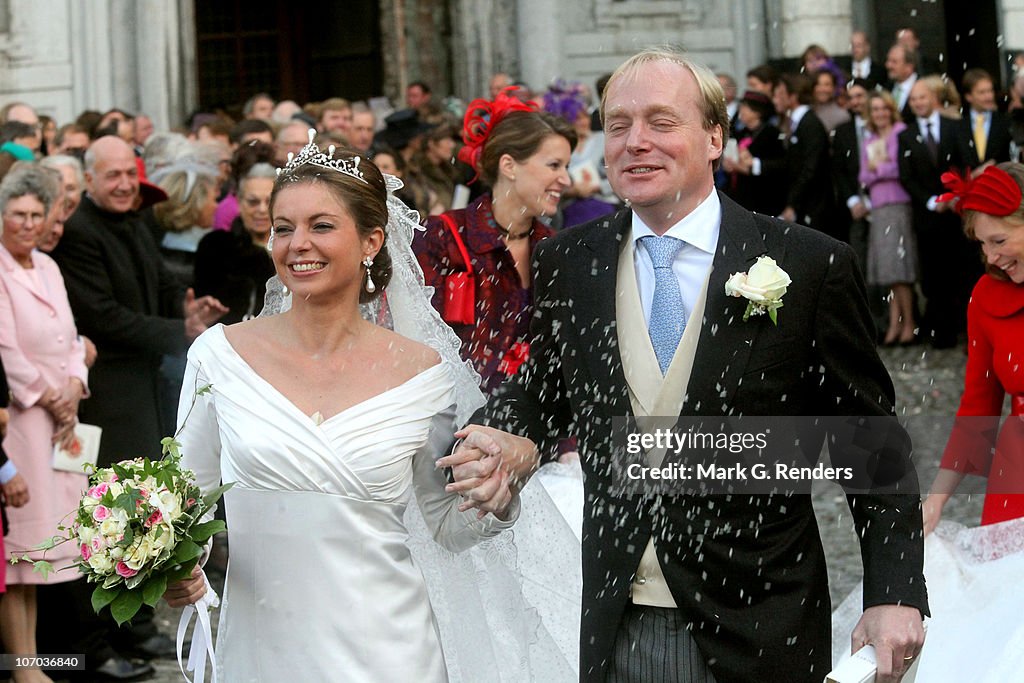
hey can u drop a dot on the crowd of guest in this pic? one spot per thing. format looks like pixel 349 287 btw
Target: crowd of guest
pixel 858 151
pixel 121 244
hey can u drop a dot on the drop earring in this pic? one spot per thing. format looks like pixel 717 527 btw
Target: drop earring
pixel 368 263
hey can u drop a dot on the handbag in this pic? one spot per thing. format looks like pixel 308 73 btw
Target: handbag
pixel 459 287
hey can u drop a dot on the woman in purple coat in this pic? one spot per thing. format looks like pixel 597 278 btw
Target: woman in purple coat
pixel 892 248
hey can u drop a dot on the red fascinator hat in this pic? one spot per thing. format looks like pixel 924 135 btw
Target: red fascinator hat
pixel 993 192
pixel 481 118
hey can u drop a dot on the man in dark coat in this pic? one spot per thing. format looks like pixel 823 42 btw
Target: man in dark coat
pixel 683 587
pixel 126 301
pixel 810 199
pixel 949 263
pixel 984 132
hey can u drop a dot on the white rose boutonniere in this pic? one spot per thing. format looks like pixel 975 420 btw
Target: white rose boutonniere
pixel 763 286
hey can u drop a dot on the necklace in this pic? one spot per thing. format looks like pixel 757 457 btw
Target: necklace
pixel 510 237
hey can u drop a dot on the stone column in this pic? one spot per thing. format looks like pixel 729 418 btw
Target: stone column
pixel 483 42
pixel 541 36
pixel 1013 24
pixel 824 22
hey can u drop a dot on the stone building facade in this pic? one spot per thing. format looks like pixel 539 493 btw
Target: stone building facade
pixel 148 55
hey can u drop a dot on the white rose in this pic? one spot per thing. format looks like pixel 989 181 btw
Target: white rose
pixel 116 553
pixel 159 538
pixel 116 489
pixel 86 534
pixel 88 502
pixel 767 278
pixel 112 527
pixel 140 551
pixel 168 504
pixel 101 564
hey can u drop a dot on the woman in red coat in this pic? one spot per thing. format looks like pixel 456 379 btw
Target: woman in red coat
pixel 993 214
pixel 478 259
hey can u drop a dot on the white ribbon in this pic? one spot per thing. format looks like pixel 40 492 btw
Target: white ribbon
pixel 202 637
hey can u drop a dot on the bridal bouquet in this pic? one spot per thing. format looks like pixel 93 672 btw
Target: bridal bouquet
pixel 137 529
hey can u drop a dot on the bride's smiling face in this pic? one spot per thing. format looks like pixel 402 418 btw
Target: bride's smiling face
pixel 317 246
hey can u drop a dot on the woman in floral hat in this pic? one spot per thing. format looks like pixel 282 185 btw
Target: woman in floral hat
pixel 478 258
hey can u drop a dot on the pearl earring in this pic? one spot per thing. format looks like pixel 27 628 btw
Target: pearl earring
pixel 368 263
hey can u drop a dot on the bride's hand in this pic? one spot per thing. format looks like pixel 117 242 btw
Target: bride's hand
pixel 187 592
pixel 484 468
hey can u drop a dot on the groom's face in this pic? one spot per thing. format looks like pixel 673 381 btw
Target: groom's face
pixel 658 150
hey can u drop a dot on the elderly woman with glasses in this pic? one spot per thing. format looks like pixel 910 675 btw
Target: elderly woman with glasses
pixel 45 364
pixel 234 266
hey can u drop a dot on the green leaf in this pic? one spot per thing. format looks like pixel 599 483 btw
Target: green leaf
pixel 128 500
pixel 121 472
pixel 154 589
pixel 170 446
pixel 182 572
pixel 129 538
pixel 211 498
pixel 126 605
pixel 50 543
pixel 205 389
pixel 201 533
pixel 774 315
pixel 101 597
pixel 42 567
pixel 187 550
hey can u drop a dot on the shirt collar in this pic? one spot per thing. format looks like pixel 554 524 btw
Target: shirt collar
pixel 933 119
pixel 986 114
pixel 796 115
pixel 700 227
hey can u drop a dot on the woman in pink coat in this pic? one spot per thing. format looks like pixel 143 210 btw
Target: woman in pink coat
pixel 45 365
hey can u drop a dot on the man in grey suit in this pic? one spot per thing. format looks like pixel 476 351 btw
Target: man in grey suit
pixel 632 319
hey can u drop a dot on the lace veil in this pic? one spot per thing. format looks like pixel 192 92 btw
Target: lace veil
pixel 487 617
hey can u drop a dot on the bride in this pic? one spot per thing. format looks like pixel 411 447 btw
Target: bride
pixel 326 423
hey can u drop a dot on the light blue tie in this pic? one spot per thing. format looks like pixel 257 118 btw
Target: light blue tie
pixel 668 314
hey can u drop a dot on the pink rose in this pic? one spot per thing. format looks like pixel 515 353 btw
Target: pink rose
pixel 98 544
pixel 190 502
pixel 154 518
pixel 99 490
pixel 124 570
pixel 86 553
pixel 100 513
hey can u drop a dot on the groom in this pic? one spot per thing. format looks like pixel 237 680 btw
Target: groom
pixel 632 319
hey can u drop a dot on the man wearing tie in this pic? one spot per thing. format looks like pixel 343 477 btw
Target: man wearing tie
pixel 900 65
pixel 861 65
pixel 632 318
pixel 984 131
pixel 928 148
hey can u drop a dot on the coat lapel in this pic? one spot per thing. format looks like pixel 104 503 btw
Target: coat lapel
pixel 725 340
pixel 594 307
pixel 21 276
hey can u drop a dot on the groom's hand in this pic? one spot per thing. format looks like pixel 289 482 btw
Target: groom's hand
pixel 897 632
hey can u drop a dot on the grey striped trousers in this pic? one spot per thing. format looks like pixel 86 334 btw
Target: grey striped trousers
pixel 653 645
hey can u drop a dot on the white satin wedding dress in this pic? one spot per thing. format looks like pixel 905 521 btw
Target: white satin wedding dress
pixel 321 585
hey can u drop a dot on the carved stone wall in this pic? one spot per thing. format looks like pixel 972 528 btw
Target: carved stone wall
pixel 64 56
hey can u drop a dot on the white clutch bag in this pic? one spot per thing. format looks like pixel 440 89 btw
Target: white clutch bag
pixel 861 667
pixel 84 449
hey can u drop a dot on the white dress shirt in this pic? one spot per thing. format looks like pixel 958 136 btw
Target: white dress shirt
pixel 904 93
pixel 699 230
pixel 862 69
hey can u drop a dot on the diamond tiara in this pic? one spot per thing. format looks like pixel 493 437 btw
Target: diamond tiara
pixel 311 154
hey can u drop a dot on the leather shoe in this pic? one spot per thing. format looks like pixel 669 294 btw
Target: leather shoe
pixel 122 669
pixel 156 646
